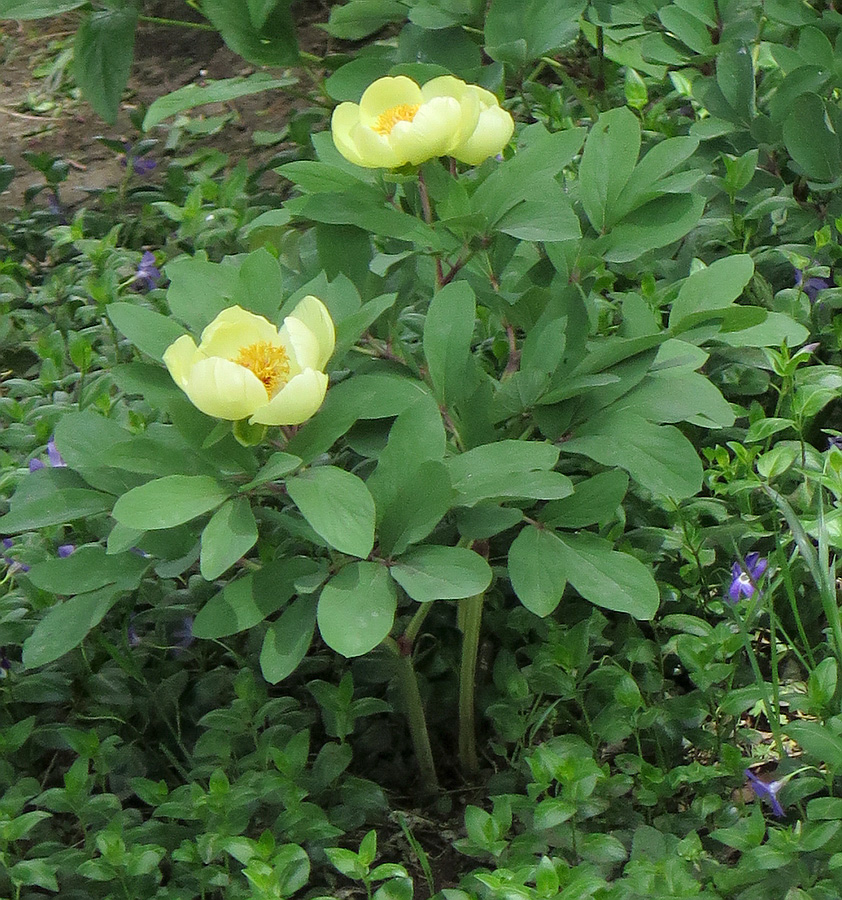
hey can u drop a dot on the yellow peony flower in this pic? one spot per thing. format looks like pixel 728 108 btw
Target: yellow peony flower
pixel 398 122
pixel 245 367
pixel 493 130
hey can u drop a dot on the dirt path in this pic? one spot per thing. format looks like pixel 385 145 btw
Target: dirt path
pixel 39 113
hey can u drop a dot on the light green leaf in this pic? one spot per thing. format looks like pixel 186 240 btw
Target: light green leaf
pixel 102 57
pixel 517 33
pixel 819 741
pixel 288 639
pixel 67 624
pixel 537 569
pixel 448 331
pixel 607 578
pixel 229 535
pixel 712 289
pixel 609 159
pixel 244 603
pixel 88 569
pixel 273 44
pixel 357 608
pixel 148 330
pixel 508 469
pixel 169 501
pixel 594 500
pixel 338 506
pixel 360 18
pixel 657 456
pixel 51 497
pixel 36 9
pixel 441 573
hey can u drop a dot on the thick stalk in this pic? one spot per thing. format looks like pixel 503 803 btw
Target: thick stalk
pixel 414 710
pixel 470 619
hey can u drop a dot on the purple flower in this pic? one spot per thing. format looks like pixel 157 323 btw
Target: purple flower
pixel 148 275
pixel 65 550
pixel 744 580
pixel 53 458
pixel 13 565
pixel 813 285
pixel 184 636
pixel 766 790
pixel 140 165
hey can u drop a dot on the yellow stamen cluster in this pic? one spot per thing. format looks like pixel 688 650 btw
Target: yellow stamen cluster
pixel 268 362
pixel 386 121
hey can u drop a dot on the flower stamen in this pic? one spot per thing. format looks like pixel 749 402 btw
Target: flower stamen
pixel 268 362
pixel 386 121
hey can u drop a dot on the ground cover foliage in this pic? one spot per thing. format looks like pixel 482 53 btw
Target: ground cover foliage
pixel 542 602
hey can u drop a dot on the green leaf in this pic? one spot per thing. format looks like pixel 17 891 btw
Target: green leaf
pixel 51 497
pixel 736 79
pixel 423 498
pixel 338 506
pixel 357 608
pixel 349 330
pixel 102 58
pixel 193 95
pixel 811 134
pixel 658 223
pixel 148 330
pixel 818 741
pixel 36 9
pixel 518 33
pixel 594 500
pixel 537 569
pixel 360 18
pixel 247 601
pixel 278 465
pixel 607 578
pixel 416 437
pixel 508 469
pixel 199 290
pixel 288 639
pixel 67 624
pixel 259 11
pixel 260 286
pixel 229 535
pixel 441 573
pixel 274 44
pixel 711 289
pixel 448 330
pixel 608 161
pixel 657 456
pixel 87 569
pixel 169 501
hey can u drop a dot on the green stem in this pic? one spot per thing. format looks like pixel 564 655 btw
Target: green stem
pixel 470 619
pixel 179 23
pixel 414 709
pixel 772 713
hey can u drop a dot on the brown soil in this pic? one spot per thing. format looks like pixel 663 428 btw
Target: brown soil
pixel 166 58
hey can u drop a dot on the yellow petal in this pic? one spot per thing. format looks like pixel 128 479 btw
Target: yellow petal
pixel 221 388
pixel 313 313
pixel 345 118
pixel 296 402
pixel 466 96
pixel 376 150
pixel 385 93
pixel 301 344
pixel 492 133
pixel 431 133
pixel 233 329
pixel 179 358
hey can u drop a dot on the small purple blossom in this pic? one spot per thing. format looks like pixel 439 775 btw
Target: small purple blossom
pixel 813 284
pixel 744 580
pixel 184 636
pixel 65 550
pixel 148 274
pixel 140 164
pixel 54 458
pixel 132 637
pixel 766 790
pixel 13 564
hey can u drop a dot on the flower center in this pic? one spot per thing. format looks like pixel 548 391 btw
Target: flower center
pixel 386 121
pixel 744 578
pixel 268 362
